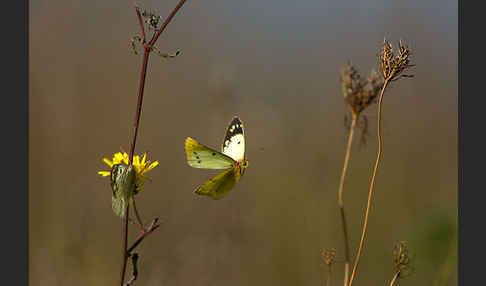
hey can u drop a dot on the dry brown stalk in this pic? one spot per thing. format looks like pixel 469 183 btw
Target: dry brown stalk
pixel 359 94
pixel 328 283
pixel 328 256
pixel 391 69
pixel 370 194
pixel 394 279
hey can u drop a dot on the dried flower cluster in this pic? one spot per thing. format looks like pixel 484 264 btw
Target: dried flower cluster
pixel 358 92
pixel 393 65
pixel 328 256
pixel 401 258
pixel 151 19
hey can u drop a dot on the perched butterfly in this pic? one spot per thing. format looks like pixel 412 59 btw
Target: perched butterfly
pixel 231 159
pixel 123 185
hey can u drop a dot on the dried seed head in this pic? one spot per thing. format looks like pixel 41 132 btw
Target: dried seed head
pixel 328 256
pixel 392 66
pixel 151 19
pixel 401 258
pixel 359 93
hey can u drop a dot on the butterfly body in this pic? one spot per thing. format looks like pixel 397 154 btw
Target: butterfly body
pixel 231 160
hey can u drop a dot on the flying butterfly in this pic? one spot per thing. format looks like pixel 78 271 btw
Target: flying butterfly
pixel 231 159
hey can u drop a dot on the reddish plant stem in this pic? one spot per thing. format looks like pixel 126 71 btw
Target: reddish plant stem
pixel 147 50
pixel 139 103
pixel 132 150
pixel 124 247
pixel 153 226
pixel 166 22
pixel 140 22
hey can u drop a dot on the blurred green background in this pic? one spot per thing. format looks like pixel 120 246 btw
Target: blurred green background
pixel 275 64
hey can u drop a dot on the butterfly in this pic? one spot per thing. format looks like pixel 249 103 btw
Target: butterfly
pixel 123 185
pixel 231 159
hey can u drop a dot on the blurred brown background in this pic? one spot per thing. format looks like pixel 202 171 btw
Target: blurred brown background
pixel 275 64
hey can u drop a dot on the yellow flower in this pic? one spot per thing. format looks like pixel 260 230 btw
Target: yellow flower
pixel 141 167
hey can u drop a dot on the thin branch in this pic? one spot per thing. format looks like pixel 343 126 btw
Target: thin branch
pixel 139 102
pixel 124 246
pixel 140 22
pixel 139 220
pixel 395 277
pixel 153 226
pixel 329 272
pixel 166 22
pixel 135 269
pixel 340 198
pixel 372 184
pixel 165 55
pixel 132 149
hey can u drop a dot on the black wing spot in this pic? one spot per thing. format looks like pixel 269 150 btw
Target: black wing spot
pixel 195 153
pixel 197 157
pixel 214 154
pixel 199 161
pixel 239 142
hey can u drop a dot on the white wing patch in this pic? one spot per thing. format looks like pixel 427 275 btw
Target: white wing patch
pixel 234 141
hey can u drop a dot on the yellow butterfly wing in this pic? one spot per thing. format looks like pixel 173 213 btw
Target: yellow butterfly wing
pixel 220 185
pixel 200 156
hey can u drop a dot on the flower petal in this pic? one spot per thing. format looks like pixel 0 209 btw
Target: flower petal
pixel 125 158
pixel 104 173
pixel 108 162
pixel 117 158
pixel 151 166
